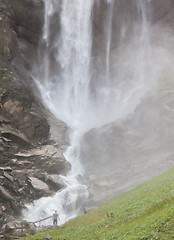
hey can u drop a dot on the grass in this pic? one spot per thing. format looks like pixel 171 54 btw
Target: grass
pixel 146 212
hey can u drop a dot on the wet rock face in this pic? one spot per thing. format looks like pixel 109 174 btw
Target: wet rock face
pixel 26 17
pixel 21 111
pixel 29 168
pixel 125 12
pixel 24 20
pixel 29 165
pixel 129 152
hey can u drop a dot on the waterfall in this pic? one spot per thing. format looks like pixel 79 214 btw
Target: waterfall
pixel 109 34
pixel 63 81
pixel 80 96
pixel 66 59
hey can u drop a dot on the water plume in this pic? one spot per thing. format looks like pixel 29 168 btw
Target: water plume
pixel 89 78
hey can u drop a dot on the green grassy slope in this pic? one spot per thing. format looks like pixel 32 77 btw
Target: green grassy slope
pixel 146 212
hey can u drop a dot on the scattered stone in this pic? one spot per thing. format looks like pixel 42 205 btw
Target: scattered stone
pixel 14 160
pixel 4 194
pixel 55 181
pixel 17 138
pixel 4 120
pixel 6 169
pixel 9 177
pixel 1 149
pixel 38 184
pixel 3 208
pixel 21 191
pixel 19 173
pixel 5 140
pixel 46 150
pixel 18 228
pixel 13 107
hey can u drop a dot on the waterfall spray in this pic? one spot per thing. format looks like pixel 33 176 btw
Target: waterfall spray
pixel 69 88
pixel 71 92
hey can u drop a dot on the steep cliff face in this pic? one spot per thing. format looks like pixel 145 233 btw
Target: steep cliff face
pixel 29 163
pixel 24 20
pixel 128 152
pixel 124 17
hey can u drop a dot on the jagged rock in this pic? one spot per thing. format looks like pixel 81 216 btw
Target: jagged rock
pixel 19 173
pixel 54 161
pixel 5 140
pixel 18 228
pixel 9 169
pixel 5 195
pixel 14 160
pixel 46 150
pixel 55 181
pixel 13 107
pixel 39 185
pixel 17 139
pixel 23 120
pixel 4 120
pixel 3 208
pixel 9 177
pixel 16 136
pixel 1 149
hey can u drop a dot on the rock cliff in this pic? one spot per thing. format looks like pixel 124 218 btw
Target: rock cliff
pixel 30 160
pixel 128 152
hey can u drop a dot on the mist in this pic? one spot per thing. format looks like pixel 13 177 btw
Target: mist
pixel 105 69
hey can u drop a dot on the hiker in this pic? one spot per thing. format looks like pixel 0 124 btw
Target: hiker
pixel 55 217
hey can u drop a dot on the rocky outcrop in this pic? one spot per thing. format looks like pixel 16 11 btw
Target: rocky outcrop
pixel 29 169
pixel 21 109
pixel 137 148
pixel 31 140
pixel 18 229
pixel 25 19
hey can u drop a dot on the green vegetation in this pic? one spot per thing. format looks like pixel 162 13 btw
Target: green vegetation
pixel 146 212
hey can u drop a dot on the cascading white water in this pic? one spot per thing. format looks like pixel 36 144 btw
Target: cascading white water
pixel 83 101
pixel 68 85
pixel 109 34
pixel 65 92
